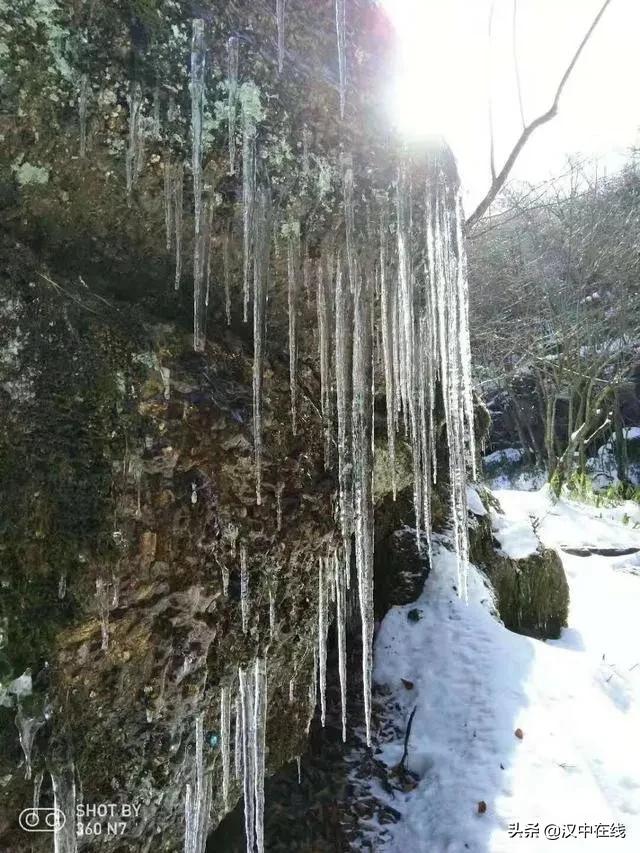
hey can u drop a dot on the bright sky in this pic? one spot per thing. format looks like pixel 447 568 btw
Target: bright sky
pixel 447 70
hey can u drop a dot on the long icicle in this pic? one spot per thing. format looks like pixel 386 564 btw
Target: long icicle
pixel 259 735
pixel 280 16
pixel 323 627
pixel 343 355
pixel 293 264
pixel 248 200
pixel 233 55
pixel 340 585
pixel 197 85
pixel 362 473
pixel 83 100
pixel 341 33
pixel 260 284
pixel 248 757
pixel 225 734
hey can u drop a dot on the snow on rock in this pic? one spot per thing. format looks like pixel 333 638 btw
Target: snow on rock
pixel 499 457
pixel 576 702
pixel 474 503
pixel 515 534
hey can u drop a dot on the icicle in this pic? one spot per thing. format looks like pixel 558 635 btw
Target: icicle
pixel 168 199
pixel 115 590
pixel 62 585
pixel 341 615
pixel 237 750
pixel 244 588
pixel 37 787
pixel 28 728
pixel 224 571
pixel 448 304
pixel 198 57
pixel 341 32
pixel 293 254
pixel 306 143
pixel 157 127
pixel 207 239
pixel 387 310
pixel 63 783
pixel 343 356
pixel 248 759
pixel 280 10
pixel 232 83
pixel 135 149
pixel 291 691
pixel 165 374
pixel 83 98
pixel 279 491
pixel 324 344
pixel 299 763
pixel 323 627
pixel 349 216
pixel 198 799
pixel 226 263
pixel 272 613
pixel 102 599
pixel 259 735
pixel 178 192
pixel 225 733
pixel 260 282
pixel 362 407
pixel 248 199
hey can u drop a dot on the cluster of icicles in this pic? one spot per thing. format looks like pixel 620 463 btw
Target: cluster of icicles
pixel 391 302
pixel 249 761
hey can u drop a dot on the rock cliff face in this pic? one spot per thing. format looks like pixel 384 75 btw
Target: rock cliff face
pixel 129 496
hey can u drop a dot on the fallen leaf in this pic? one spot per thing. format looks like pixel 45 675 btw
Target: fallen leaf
pixel 519 734
pixel 407 684
pixel 482 807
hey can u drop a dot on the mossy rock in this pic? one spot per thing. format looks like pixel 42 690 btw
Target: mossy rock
pixel 532 594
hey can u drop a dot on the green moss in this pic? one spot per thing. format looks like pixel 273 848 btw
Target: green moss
pixel 532 594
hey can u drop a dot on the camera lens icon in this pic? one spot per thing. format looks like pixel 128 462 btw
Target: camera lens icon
pixel 41 820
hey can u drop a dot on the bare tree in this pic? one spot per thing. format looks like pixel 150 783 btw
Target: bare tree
pixel 499 179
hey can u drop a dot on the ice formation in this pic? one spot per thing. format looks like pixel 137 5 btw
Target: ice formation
pixel 83 100
pixel 63 782
pixel 261 250
pixel 244 588
pixel 28 728
pixel 293 265
pixel 323 627
pixel 341 33
pixel 197 85
pixel 248 199
pixel 280 16
pixel 233 54
pixel 102 600
pixel 225 733
pixel 135 149
pixel 341 617
pixel 197 798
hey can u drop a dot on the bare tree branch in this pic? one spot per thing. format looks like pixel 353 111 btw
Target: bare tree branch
pixel 499 180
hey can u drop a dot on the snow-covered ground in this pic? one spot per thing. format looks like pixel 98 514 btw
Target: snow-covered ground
pixel 575 772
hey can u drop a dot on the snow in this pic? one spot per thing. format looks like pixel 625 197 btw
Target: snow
pixel 474 504
pixel 576 700
pixel 515 534
pixel 499 457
